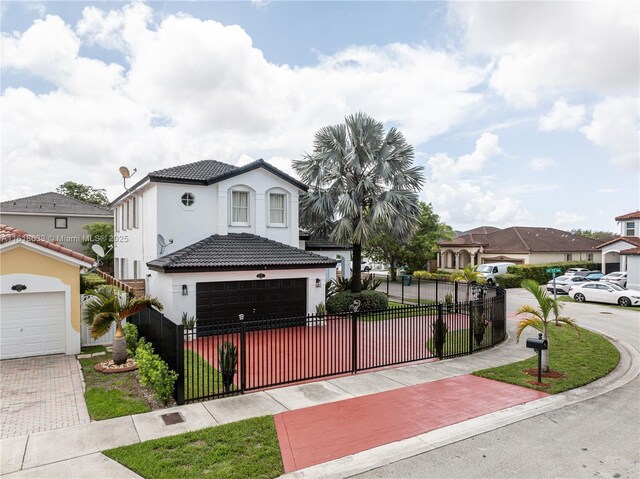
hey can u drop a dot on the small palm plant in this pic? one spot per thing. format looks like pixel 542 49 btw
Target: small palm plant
pixel 469 274
pixel 538 318
pixel 109 304
pixel 227 363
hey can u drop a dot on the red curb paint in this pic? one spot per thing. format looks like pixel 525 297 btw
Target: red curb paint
pixel 329 431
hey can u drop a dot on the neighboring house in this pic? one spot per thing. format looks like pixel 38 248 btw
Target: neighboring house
pixel 632 261
pixel 615 255
pixel 39 295
pixel 324 247
pixel 517 244
pixel 215 241
pixel 54 217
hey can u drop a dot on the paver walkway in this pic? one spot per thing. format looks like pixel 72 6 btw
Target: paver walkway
pixel 322 433
pixel 40 394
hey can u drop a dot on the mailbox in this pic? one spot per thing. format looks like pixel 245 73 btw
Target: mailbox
pixel 538 344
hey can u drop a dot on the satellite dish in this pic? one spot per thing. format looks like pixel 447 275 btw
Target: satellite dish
pixel 98 250
pixel 161 241
pixel 124 171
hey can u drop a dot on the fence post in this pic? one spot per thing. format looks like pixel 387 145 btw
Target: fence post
pixel 402 293
pixel 388 274
pixel 179 345
pixel 418 291
pixel 437 299
pixel 470 306
pixel 354 342
pixel 455 296
pixel 440 332
pixel 243 355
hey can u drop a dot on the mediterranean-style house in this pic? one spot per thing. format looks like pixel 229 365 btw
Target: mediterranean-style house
pixel 215 241
pixel 517 244
pixel 54 217
pixel 623 253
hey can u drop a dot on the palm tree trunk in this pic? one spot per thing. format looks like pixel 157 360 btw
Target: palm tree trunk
pixel 393 270
pixel 119 345
pixel 356 279
pixel 545 352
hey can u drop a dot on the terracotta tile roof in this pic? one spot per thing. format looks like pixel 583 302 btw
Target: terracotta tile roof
pixel 9 233
pixel 238 252
pixel 481 230
pixel 54 204
pixel 526 239
pixel 634 240
pixel 631 251
pixel 629 216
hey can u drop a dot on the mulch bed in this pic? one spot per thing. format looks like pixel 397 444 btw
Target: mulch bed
pixel 109 367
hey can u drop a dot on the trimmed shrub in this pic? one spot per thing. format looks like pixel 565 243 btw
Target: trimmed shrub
pixel 508 280
pixel 428 275
pixel 537 272
pixel 154 373
pixel 369 301
pixel 131 336
pixel 90 281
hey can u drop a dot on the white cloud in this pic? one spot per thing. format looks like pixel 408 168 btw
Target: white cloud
pixel 610 190
pixel 563 117
pixel 462 198
pixel 569 219
pixel 614 126
pixel 542 46
pixel 194 89
pixel 541 164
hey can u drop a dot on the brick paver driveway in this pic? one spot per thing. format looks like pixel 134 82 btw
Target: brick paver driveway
pixel 39 394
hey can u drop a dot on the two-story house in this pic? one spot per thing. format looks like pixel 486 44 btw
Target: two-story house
pixel 216 240
pixel 623 253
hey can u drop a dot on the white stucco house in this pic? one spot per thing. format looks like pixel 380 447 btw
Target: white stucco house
pixel 623 253
pixel 215 240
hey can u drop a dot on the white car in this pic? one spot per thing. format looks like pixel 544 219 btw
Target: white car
pixel 563 283
pixel 618 278
pixel 605 293
pixel 572 271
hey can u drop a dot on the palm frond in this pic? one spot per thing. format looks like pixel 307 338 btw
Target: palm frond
pixel 524 323
pixel 102 324
pixel 136 304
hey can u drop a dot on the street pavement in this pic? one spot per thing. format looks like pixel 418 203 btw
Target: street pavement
pixel 598 437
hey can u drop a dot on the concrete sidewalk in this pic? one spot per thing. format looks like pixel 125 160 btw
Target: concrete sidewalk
pixel 69 452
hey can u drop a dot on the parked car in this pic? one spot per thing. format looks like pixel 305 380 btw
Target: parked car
pixel 619 278
pixel 489 271
pixel 594 275
pixel 365 265
pixel 573 271
pixel 563 283
pixel 605 293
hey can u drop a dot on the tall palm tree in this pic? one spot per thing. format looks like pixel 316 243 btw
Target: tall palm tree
pixel 538 318
pixel 362 182
pixel 109 304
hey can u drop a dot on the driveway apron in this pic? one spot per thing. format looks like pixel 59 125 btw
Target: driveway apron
pixel 40 394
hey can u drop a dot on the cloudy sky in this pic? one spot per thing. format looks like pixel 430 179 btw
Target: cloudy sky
pixel 521 113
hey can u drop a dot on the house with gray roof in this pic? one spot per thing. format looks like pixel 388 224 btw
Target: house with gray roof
pixel 54 218
pixel 622 253
pixel 216 240
pixel 518 245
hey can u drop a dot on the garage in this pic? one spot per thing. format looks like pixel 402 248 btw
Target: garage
pixel 221 302
pixel 32 324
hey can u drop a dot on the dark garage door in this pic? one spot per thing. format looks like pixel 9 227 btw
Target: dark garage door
pixel 219 304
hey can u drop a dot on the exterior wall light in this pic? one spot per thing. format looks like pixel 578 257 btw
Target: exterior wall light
pixel 318 283
pixel 260 275
pixel 185 290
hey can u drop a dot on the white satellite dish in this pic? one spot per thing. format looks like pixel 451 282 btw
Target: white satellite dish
pixel 163 244
pixel 124 171
pixel 98 250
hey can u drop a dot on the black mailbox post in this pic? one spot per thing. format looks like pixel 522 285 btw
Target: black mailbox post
pixel 538 345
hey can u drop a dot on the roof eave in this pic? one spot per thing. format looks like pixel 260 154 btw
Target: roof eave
pixel 210 269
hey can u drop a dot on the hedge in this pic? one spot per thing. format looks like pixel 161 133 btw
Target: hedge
pixel 90 281
pixel 538 273
pixel 369 301
pixel 428 275
pixel 508 280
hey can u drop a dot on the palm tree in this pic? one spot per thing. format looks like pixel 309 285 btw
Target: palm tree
pixel 469 274
pixel 539 318
pixel 109 304
pixel 362 183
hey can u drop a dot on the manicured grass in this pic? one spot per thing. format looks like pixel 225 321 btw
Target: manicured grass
pixel 110 395
pixel 93 349
pixel 239 450
pixel 457 342
pixel 581 361
pixel 392 305
pixel 201 378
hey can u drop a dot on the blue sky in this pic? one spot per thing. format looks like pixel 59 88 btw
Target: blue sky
pixel 521 113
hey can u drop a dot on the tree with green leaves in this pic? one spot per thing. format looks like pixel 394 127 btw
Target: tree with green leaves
pixel 384 248
pixel 424 245
pixel 108 304
pixel 594 234
pixel 361 181
pixel 102 234
pixel 88 194
pixel 538 318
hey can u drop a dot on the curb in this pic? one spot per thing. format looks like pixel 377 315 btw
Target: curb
pixel 627 369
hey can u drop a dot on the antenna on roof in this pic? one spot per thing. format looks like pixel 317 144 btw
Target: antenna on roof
pixel 163 244
pixel 126 174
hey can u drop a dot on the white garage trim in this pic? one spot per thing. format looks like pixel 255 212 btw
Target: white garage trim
pixel 45 284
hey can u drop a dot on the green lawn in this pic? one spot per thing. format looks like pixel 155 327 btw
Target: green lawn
pixel 457 342
pixel 239 450
pixel 581 361
pixel 201 378
pixel 110 395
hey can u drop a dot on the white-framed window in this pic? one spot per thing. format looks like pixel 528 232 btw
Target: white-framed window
pixel 124 217
pixel 569 257
pixel 116 220
pixel 188 199
pixel 116 267
pixel 589 256
pixel 129 215
pixel 136 269
pixel 60 223
pixel 123 268
pixel 630 228
pixel 134 212
pixel 240 212
pixel 277 209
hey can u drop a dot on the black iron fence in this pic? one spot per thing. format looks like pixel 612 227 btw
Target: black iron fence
pixel 409 290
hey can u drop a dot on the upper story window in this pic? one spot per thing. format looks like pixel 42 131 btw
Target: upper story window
pixel 630 228
pixel 124 217
pixel 188 199
pixel 116 220
pixel 240 208
pixel 569 257
pixel 60 223
pixel 277 209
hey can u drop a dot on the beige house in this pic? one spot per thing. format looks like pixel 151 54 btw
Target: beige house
pixel 618 253
pixel 517 244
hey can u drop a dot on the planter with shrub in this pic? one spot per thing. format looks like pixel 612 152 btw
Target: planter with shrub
pixel 369 301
